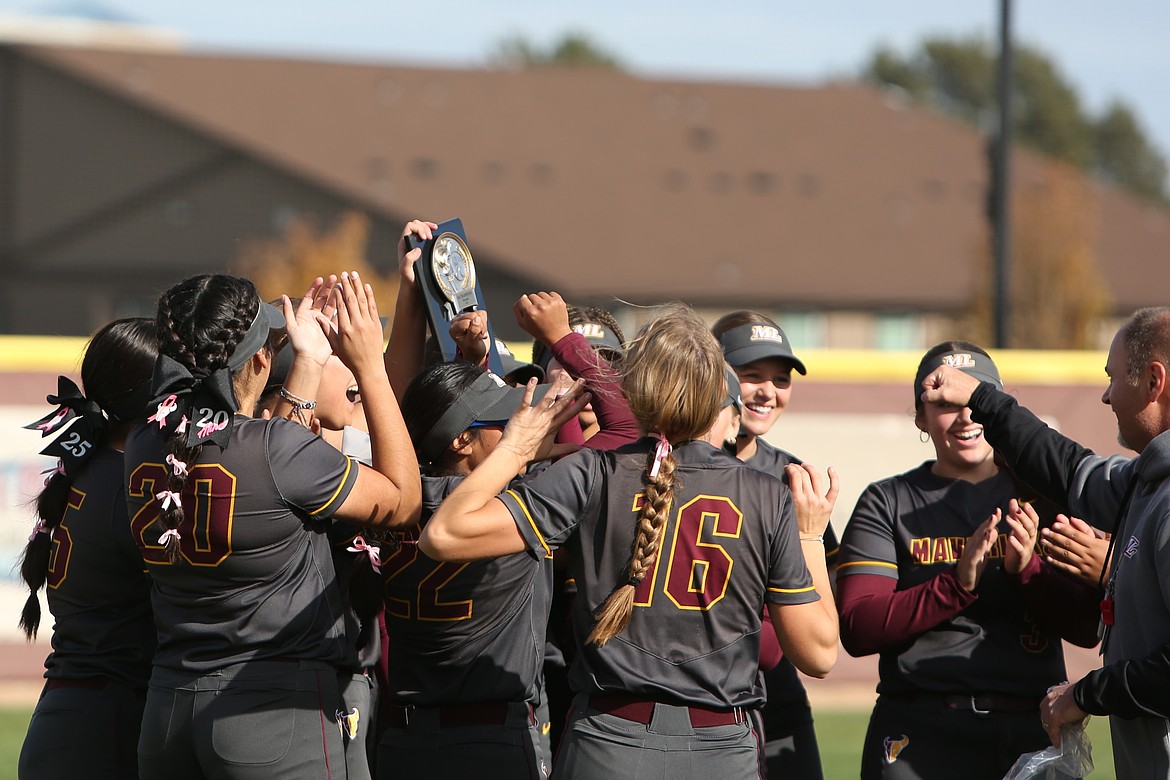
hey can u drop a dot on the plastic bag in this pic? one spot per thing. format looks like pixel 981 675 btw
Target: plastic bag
pixel 1073 759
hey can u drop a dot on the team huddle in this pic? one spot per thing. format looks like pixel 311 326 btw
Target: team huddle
pixel 276 547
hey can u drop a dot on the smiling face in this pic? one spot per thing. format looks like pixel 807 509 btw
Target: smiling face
pixel 960 449
pixel 765 386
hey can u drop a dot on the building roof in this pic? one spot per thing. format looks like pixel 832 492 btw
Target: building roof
pixel 601 183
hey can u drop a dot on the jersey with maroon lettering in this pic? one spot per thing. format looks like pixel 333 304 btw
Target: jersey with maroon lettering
pixel 913 526
pixel 256 580
pixel 97 591
pixel 464 632
pixel 729 545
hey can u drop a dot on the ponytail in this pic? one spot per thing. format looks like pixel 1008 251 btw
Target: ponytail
pixel 613 616
pixel 34 562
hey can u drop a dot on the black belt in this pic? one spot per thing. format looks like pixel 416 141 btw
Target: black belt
pixel 979 703
pixel 484 713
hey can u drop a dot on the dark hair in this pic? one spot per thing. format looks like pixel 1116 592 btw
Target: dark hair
pixel 934 352
pixel 577 316
pixel 428 397
pixel 200 322
pixel 115 373
pixel 1146 336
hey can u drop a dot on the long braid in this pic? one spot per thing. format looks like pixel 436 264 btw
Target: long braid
pixel 214 313
pixel 673 377
pixel 613 616
pixel 34 563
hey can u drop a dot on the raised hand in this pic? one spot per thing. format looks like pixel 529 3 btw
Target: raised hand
pixel 1073 546
pixel 946 385
pixel 543 315
pixel 1023 524
pixel 309 321
pixel 973 561
pixel 358 340
pixel 469 331
pixel 812 499
pixel 425 231
pixel 532 423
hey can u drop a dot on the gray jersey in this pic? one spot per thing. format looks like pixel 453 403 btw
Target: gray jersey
pixel 729 545
pixel 256 581
pixel 97 591
pixel 464 632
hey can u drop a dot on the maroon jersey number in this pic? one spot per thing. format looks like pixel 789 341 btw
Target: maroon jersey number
pixel 697 571
pixel 208 504
pixel 63 542
pixel 427 605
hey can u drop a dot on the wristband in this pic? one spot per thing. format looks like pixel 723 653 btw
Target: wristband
pixel 818 538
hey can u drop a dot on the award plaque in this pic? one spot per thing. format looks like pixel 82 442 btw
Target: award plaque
pixel 450 285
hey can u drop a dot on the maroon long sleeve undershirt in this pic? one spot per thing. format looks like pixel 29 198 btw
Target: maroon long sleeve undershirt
pixel 1063 604
pixel 876 617
pixel 614 418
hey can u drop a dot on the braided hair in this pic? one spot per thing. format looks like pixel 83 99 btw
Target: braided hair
pixel 117 364
pixel 675 382
pixel 200 322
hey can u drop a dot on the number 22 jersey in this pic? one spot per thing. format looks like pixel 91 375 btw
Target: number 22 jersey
pixel 729 545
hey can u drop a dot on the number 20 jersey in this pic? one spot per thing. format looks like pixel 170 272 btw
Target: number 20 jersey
pixel 729 545
pixel 256 580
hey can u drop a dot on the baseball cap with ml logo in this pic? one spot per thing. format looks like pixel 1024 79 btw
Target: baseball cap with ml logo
pixel 977 365
pixel 755 341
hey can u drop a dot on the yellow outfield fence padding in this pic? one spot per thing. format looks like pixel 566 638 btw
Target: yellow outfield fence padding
pixel 41 353
pixel 1019 367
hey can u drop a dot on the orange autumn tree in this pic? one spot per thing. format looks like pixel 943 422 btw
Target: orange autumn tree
pixel 303 251
pixel 1058 296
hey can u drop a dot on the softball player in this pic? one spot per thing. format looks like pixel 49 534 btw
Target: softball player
pixel 230 515
pixel 467 639
pixel 965 620
pixel 675 547
pixel 87 719
pixel 764 362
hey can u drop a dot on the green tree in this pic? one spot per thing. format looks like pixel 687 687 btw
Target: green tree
pixel 1122 153
pixel 958 77
pixel 573 50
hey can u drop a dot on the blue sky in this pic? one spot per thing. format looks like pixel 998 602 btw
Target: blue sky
pixel 1116 49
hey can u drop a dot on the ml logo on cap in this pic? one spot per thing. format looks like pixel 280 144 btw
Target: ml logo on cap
pixel 766 333
pixel 590 330
pixel 959 360
pixel 499 382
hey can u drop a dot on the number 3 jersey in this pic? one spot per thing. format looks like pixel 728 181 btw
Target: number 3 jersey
pixel 256 580
pixel 912 527
pixel 463 632
pixel 729 545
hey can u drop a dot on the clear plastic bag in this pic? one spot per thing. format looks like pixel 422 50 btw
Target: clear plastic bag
pixel 1073 759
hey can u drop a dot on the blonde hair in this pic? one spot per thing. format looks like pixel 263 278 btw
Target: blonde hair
pixel 674 380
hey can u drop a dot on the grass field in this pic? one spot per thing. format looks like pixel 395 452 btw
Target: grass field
pixel 839 733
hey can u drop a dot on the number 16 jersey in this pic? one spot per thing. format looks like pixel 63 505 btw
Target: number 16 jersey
pixel 729 545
